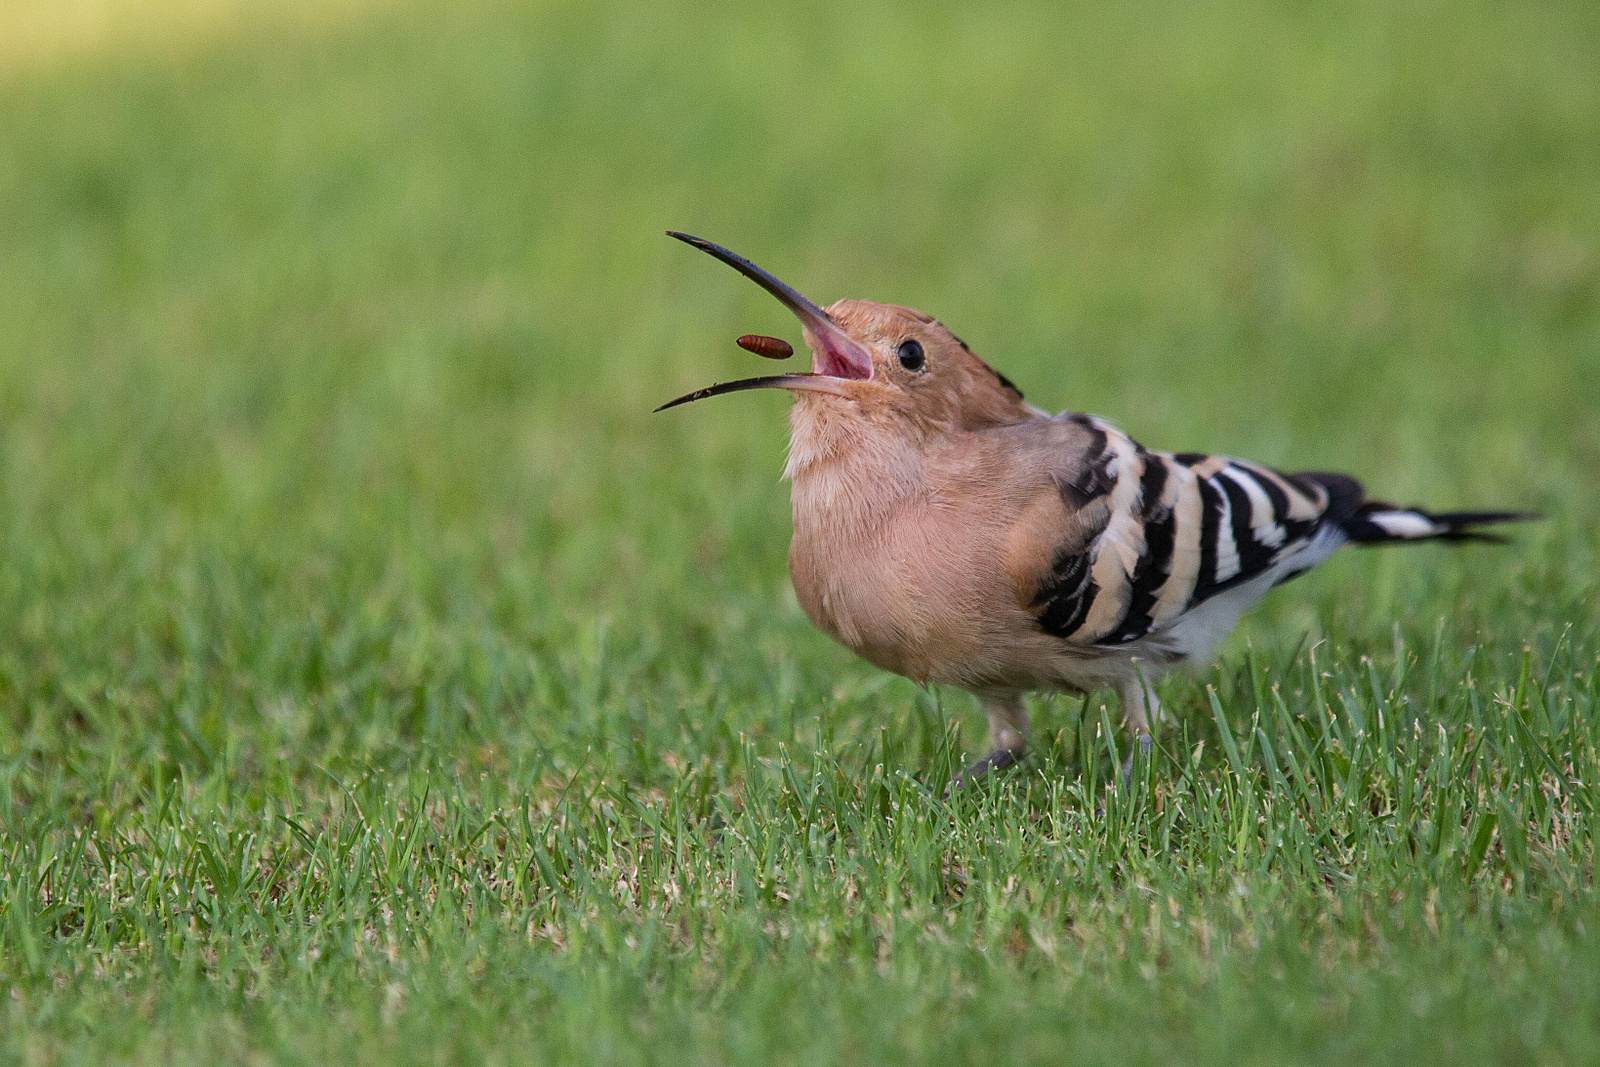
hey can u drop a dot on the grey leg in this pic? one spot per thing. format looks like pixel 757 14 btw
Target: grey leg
pixel 1139 708
pixel 1008 733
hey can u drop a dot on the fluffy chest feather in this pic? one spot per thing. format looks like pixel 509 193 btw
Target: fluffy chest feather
pixel 896 563
pixel 852 570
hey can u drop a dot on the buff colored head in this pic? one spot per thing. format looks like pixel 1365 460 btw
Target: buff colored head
pixel 878 362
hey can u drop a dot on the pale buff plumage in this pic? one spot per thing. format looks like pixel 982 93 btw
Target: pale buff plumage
pixel 927 508
pixel 949 532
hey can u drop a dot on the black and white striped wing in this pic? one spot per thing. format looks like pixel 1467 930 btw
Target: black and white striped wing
pixel 1183 529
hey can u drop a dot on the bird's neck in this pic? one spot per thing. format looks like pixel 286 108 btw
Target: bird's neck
pixel 848 470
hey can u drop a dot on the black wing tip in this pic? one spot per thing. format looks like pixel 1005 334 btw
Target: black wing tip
pixel 1345 493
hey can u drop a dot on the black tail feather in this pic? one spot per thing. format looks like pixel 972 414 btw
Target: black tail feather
pixel 1377 523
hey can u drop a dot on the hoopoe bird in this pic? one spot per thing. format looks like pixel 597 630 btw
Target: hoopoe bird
pixel 950 532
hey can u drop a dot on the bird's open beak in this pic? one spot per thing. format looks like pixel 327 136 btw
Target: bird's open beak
pixel 836 357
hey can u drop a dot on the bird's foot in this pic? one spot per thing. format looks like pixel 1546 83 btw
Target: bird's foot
pixel 998 760
pixel 1144 746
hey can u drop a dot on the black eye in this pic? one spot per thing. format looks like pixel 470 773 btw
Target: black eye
pixel 911 357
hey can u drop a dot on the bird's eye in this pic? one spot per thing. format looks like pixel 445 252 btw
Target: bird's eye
pixel 910 355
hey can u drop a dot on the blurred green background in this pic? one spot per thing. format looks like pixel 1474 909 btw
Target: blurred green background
pixel 329 334
pixel 375 298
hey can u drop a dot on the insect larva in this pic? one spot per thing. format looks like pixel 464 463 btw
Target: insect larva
pixel 771 347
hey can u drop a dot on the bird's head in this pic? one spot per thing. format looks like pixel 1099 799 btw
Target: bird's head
pixel 891 367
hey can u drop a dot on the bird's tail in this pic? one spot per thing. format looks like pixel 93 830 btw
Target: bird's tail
pixel 1376 523
pixel 1371 522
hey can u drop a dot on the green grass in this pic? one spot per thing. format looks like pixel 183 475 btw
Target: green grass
pixel 381 683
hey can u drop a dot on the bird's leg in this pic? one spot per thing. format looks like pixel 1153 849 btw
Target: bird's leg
pixel 1139 708
pixel 1008 732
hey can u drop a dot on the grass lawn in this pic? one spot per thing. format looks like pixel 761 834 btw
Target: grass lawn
pixel 381 683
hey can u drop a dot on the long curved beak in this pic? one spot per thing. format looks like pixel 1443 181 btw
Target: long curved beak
pixel 834 353
pixel 815 383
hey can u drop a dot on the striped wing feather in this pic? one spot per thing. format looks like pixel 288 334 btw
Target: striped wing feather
pixel 1182 528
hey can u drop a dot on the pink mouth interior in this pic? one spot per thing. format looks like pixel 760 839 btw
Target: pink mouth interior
pixel 827 357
